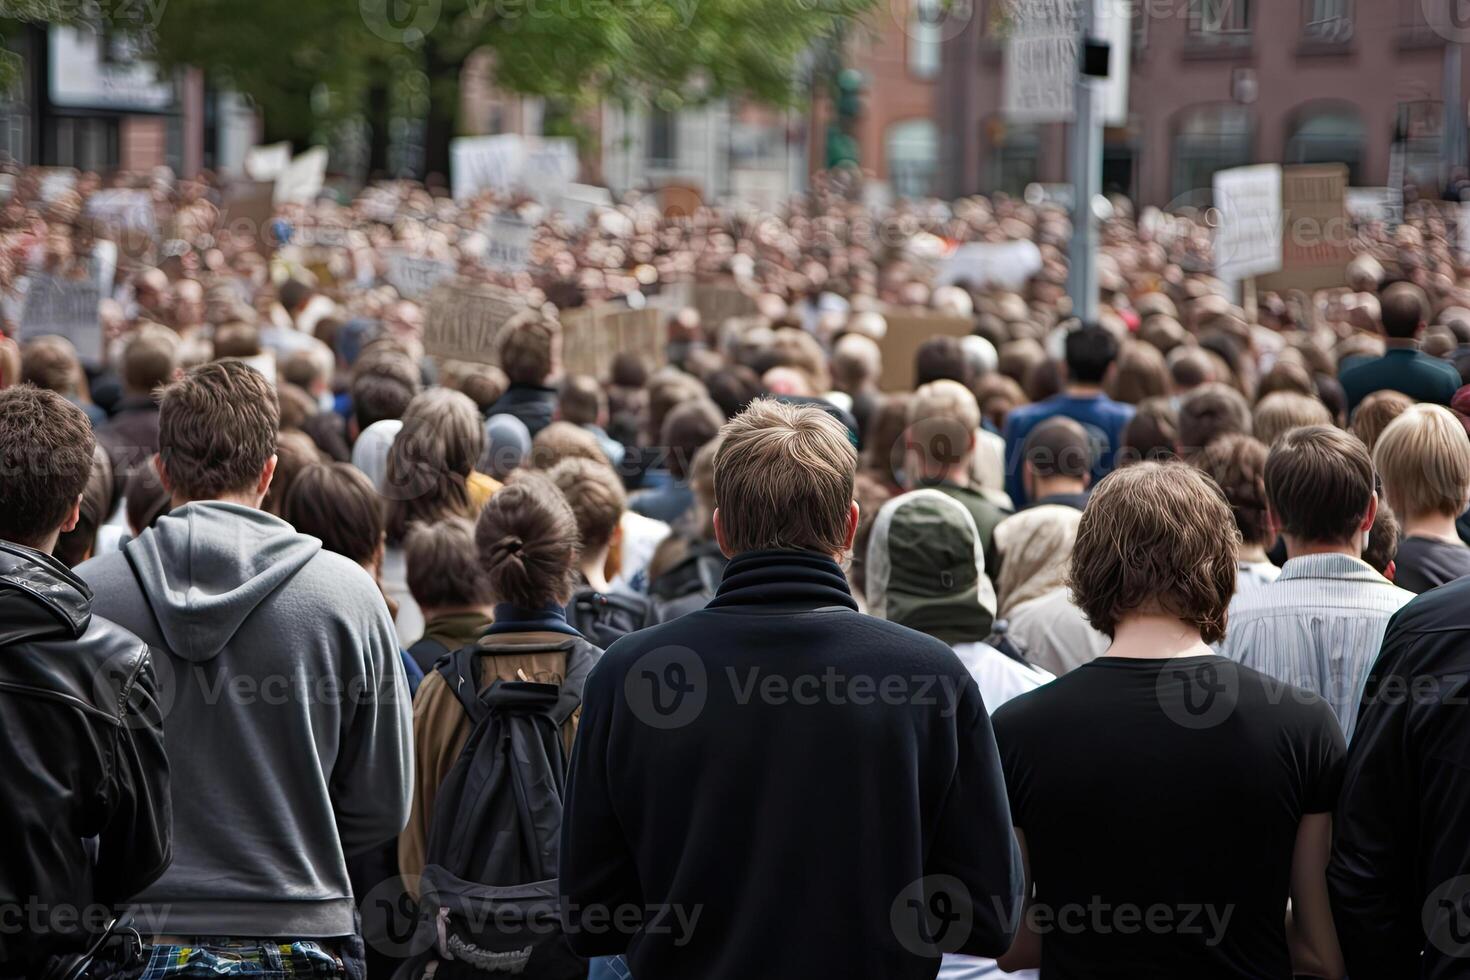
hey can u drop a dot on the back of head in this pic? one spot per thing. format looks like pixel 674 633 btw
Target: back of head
pixel 294 452
pixel 237 339
pixel 294 294
pixel 149 359
pixel 145 499
pixel 484 386
pixel 1375 412
pixel 1209 412
pixel 942 419
pixel 783 479
pixel 1237 464
pixel 216 430
pixel 528 347
pixel 443 565
pixel 382 387
pixel 1156 538
pixel 857 362
pixel 98 501
pixel 1286 410
pixel 51 363
pixel 1058 446
pixel 595 493
pixel 46 447
pixel 507 445
pixel 1319 483
pixel 941 358
pixel 582 400
pixel 1190 367
pixel 1383 540
pixel 1404 310
pixel 1091 350
pixel 527 542
pixel 431 459
pixel 562 440
pixel 686 429
pixel 1424 459
pixel 337 503
pixel 1152 434
pixel 1141 373
pixel 925 567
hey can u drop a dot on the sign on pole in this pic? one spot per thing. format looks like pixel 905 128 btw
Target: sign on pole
pixel 64 308
pixel 1248 233
pixel 1041 61
pixel 463 319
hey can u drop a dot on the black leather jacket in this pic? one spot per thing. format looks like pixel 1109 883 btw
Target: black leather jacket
pixel 84 802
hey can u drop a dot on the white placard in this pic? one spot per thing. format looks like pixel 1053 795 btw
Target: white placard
pixel 548 169
pixel 267 162
pixel 64 308
pixel 414 275
pixel 303 178
pixel 1042 58
pixel 1248 233
pixel 124 209
pixel 509 243
pixel 580 200
pixel 485 163
pixel 1005 264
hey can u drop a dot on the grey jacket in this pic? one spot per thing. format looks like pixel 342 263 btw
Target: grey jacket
pixel 286 714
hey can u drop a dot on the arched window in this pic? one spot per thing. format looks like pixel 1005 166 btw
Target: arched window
pixel 912 149
pixel 1327 133
pixel 1206 139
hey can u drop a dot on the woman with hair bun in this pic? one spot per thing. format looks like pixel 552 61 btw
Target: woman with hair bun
pixel 527 542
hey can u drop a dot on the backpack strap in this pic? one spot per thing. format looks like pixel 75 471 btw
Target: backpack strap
pixel 459 672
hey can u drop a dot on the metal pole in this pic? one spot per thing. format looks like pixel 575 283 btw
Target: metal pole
pixel 1085 145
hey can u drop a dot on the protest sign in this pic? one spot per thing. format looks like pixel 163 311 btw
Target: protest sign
pixel 1248 230
pixel 508 246
pixel 979 264
pixel 414 275
pixel 578 202
pixel 247 212
pixel 907 329
pixel 547 170
pixel 484 163
pixel 129 216
pixel 462 319
pixel 1041 59
pixel 267 162
pixel 301 181
pixel 56 181
pixel 64 308
pixel 717 303
pixel 592 336
pixel 1315 229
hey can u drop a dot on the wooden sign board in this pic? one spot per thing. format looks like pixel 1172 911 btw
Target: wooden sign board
pixel 907 329
pixel 1315 229
pixel 249 206
pixel 592 336
pixel 463 318
pixel 717 302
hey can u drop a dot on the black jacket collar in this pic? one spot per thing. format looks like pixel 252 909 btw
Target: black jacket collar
pixel 802 579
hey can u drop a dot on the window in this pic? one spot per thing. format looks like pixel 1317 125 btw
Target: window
pixel 912 148
pixel 1206 139
pixel 1416 29
pixel 1015 156
pixel 1327 21
pixel 1220 21
pixel 1327 134
pixel 663 138
pixel 924 32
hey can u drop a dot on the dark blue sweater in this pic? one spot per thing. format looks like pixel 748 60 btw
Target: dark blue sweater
pixel 769 778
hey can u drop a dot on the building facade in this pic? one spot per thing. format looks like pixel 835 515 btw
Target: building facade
pixel 1221 83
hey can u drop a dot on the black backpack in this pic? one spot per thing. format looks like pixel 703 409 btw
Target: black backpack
pixel 488 892
pixel 691 583
pixel 602 617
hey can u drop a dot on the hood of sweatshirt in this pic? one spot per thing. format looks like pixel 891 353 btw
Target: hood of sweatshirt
pixel 206 566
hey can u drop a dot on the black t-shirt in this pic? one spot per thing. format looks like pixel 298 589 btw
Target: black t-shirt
pixel 1422 564
pixel 1160 801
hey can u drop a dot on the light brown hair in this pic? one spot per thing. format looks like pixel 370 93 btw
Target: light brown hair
pixel 596 495
pixel 1139 372
pixel 1284 410
pixel 562 440
pixel 443 565
pixel 783 479
pixel 216 429
pixel 431 459
pixel 294 453
pixel 1237 464
pixel 1375 412
pixel 582 400
pixel 1208 412
pixel 1424 459
pixel 1319 482
pixel 51 363
pixel 1156 537
pixel 149 359
pixel 528 545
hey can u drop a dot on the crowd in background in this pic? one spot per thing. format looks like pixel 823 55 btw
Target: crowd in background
pixel 274 479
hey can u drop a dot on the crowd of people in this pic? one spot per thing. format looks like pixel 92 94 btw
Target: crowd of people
pixel 1133 647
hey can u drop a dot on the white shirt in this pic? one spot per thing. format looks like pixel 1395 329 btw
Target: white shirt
pixel 1052 632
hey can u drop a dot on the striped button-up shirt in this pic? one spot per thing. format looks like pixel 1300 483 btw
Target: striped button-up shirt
pixel 1318 626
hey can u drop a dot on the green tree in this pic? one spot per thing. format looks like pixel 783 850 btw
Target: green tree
pixel 575 52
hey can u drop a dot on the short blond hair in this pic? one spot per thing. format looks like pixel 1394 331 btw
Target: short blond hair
pixel 1424 459
pixel 942 419
pixel 1282 411
pixel 783 479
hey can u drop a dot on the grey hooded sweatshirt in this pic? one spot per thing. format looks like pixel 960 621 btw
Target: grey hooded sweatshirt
pixel 287 720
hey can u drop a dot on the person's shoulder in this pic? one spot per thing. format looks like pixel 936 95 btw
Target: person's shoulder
pixel 101 571
pixel 338 576
pixel 1290 705
pixel 1442 610
pixel 1025 416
